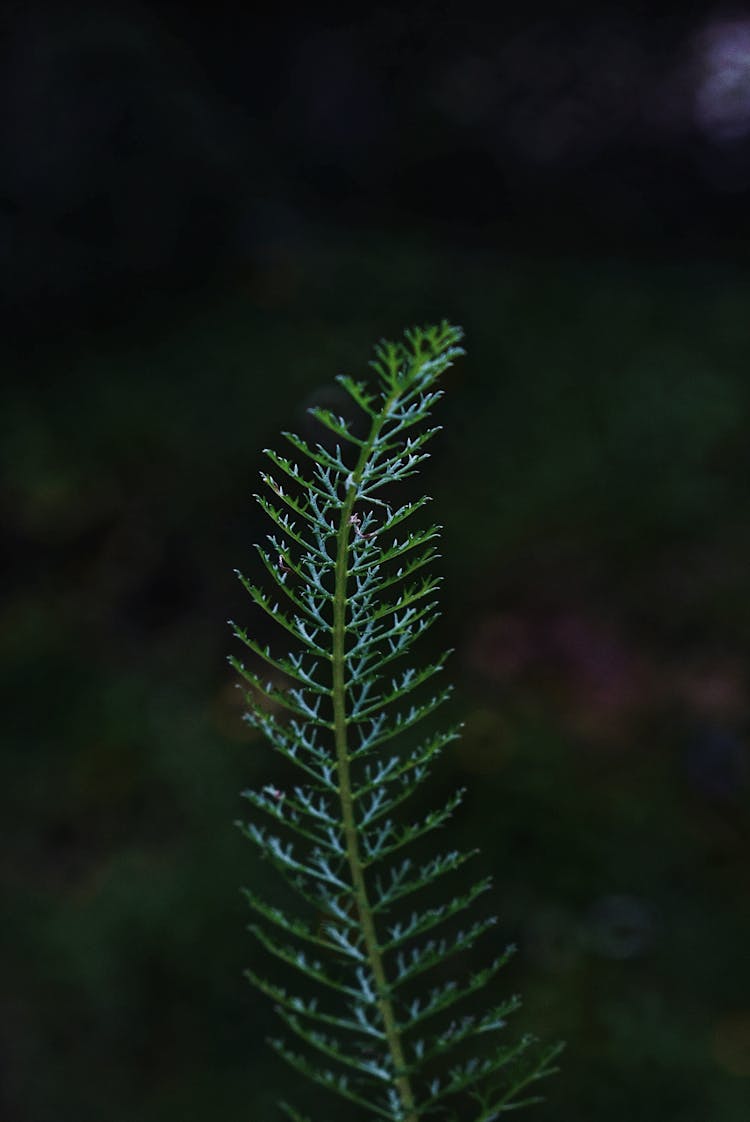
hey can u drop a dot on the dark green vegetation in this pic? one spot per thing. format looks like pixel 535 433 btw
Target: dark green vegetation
pixel 593 485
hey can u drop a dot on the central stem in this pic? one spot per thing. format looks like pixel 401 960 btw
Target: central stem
pixel 351 836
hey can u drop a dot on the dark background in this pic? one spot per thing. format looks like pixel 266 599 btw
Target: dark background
pixel 204 216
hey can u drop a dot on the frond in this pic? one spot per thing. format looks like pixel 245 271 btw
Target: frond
pixel 351 589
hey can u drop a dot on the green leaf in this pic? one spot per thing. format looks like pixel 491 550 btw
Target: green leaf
pixel 355 599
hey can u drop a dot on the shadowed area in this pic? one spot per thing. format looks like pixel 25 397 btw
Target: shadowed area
pixel 202 221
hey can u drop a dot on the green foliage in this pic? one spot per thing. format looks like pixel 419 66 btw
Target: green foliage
pixel 354 596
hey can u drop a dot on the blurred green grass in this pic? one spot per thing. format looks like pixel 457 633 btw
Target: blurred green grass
pixel 592 480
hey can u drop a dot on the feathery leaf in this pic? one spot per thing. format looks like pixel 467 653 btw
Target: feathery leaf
pixel 350 573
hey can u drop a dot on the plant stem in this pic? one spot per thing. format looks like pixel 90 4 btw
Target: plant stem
pixel 367 923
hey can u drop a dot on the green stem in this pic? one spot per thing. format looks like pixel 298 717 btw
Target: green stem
pixel 364 909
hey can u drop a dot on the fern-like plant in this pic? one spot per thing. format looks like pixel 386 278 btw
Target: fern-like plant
pixel 338 708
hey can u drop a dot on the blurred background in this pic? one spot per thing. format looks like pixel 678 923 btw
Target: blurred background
pixel 206 215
